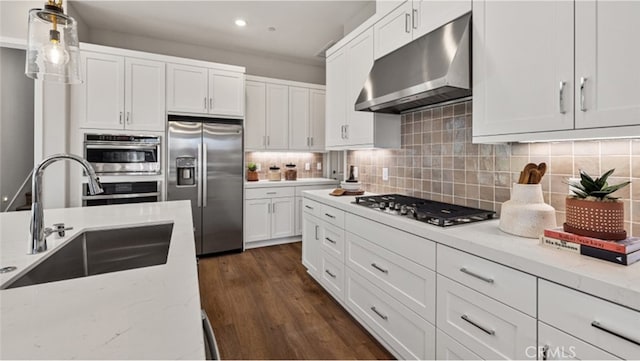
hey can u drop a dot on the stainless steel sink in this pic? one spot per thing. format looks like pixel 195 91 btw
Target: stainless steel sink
pixel 101 251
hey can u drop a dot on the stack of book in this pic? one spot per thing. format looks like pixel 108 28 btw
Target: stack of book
pixel 624 252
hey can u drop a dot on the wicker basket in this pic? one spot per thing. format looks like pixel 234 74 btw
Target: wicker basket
pixel 604 220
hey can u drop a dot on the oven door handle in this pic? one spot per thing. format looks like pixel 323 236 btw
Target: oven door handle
pixel 121 146
pixel 120 196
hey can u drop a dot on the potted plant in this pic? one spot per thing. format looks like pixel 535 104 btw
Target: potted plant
pixel 592 211
pixel 252 174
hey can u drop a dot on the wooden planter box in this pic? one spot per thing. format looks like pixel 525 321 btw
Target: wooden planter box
pixel 604 220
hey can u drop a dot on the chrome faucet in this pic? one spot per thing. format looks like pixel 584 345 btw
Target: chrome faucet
pixel 38 240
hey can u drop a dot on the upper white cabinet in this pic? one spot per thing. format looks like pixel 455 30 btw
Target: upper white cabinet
pixel 347 70
pixel 277 116
pixel 413 19
pixel 555 70
pixel 255 115
pixel 306 118
pixel 120 93
pixel 193 89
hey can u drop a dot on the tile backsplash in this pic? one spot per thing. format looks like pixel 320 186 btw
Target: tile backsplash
pixel 280 159
pixel 438 161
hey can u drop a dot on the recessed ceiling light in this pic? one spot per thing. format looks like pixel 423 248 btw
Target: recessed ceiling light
pixel 241 22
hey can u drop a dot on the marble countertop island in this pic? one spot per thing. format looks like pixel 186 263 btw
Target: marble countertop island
pixel 144 313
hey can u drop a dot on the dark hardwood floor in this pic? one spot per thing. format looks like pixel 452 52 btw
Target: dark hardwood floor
pixel 263 305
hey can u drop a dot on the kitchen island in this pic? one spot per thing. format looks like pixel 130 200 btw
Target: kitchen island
pixel 144 313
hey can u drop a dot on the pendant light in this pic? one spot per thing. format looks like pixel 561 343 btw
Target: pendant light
pixel 52 49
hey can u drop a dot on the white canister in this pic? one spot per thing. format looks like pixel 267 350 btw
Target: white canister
pixel 526 214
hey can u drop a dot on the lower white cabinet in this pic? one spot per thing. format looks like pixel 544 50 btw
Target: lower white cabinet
pixel 332 275
pixel 269 213
pixel 311 244
pixel 554 344
pixel 449 349
pixel 299 207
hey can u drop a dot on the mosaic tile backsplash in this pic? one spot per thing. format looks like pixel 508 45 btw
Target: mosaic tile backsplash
pixel 280 159
pixel 438 161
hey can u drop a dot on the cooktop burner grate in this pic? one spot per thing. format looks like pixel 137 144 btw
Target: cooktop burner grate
pixel 425 210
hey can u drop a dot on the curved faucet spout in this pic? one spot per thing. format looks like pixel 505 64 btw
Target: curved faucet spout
pixel 38 241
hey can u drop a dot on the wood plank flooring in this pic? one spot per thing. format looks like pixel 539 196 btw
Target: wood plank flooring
pixel 263 305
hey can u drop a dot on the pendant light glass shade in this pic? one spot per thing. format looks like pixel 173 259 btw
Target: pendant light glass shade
pixel 53 53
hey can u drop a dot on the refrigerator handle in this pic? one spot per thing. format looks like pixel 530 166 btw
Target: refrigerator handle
pixel 199 175
pixel 204 175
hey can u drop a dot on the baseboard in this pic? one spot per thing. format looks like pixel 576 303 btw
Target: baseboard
pixel 272 242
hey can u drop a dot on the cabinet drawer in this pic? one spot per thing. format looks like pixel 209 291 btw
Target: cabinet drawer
pixel 515 288
pixel 407 333
pixel 554 344
pixel 333 241
pixel 609 326
pixel 487 327
pixel 274 192
pixel 300 189
pixel 450 349
pixel 332 215
pixel 407 281
pixel 420 250
pixel 332 276
pixel 312 207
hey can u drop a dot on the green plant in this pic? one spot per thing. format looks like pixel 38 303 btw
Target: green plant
pixel 597 188
pixel 252 166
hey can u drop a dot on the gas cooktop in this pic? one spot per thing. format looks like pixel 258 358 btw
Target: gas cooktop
pixel 424 210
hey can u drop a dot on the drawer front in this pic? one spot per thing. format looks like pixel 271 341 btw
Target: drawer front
pixel 606 325
pixel 332 277
pixel 554 344
pixel 333 241
pixel 410 283
pixel 515 288
pixel 300 189
pixel 487 327
pixel 417 249
pixel 450 349
pixel 333 216
pixel 407 333
pixel 312 207
pixel 274 192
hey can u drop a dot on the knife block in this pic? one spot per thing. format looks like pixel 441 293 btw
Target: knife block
pixel 526 214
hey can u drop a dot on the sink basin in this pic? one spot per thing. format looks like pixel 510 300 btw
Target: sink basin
pixel 101 251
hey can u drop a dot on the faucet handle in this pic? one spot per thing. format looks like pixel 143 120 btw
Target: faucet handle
pixel 57 228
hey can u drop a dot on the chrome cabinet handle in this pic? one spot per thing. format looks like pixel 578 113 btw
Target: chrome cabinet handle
pixel 316 237
pixel 330 240
pixel 120 118
pixel 205 169
pixel 346 131
pixel 329 273
pixel 268 140
pixel 268 207
pixel 486 330
pixel 414 21
pixel 308 207
pixel 330 215
pixel 342 132
pixel 601 327
pixel 380 314
pixel 407 29
pixel 311 138
pixel 264 140
pixel 561 97
pixel 205 103
pixel 210 103
pixel 272 192
pixel 473 274
pixel 385 271
pixel 583 82
pixel 273 208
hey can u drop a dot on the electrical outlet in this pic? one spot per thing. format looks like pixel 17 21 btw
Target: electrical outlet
pixel 319 166
pixel 571 180
pixel 385 174
pixel 258 167
pixel 307 166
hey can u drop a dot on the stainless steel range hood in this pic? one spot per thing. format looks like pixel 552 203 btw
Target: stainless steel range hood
pixel 431 69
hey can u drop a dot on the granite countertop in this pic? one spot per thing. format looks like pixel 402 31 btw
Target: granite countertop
pixel 144 313
pixel 616 283
pixel 264 183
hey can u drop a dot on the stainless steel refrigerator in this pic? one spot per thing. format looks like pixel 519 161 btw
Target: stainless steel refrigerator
pixel 205 166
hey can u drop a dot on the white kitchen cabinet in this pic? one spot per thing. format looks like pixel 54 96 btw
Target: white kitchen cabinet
pixel 332 273
pixel 120 93
pixel 317 105
pixel 347 70
pixel 412 20
pixel 277 117
pixel 299 118
pixel 193 89
pixel 257 225
pixel 554 344
pixel 255 115
pixel 311 258
pixel 299 202
pixel 449 349
pixel 282 217
pixel 269 213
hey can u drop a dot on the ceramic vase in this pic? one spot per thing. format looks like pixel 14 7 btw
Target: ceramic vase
pixel 526 214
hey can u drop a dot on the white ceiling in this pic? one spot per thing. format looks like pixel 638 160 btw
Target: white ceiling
pixel 303 28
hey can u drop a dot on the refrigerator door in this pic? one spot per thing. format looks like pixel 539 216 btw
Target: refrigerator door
pixel 223 187
pixel 184 141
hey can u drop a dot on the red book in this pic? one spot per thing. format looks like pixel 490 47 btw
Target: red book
pixel 624 246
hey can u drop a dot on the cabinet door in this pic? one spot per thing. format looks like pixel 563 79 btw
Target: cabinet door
pixel 277 117
pixel 186 88
pixel 255 122
pixel 429 15
pixel 316 119
pixel 336 107
pixel 298 217
pixel 299 137
pixel 393 31
pixel 257 221
pixel 102 91
pixel 282 217
pixel 554 344
pixel 311 244
pixel 144 95
pixel 449 349
pixel 359 62
pixel 522 51
pixel 226 93
pixel 607 58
